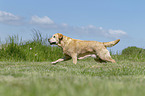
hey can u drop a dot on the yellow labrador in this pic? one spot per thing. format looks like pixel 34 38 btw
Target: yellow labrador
pixel 79 49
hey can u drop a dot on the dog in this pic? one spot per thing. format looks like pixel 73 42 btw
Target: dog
pixel 79 49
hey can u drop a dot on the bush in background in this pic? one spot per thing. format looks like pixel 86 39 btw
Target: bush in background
pixel 134 53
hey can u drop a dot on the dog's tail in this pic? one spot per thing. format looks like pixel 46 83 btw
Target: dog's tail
pixel 110 44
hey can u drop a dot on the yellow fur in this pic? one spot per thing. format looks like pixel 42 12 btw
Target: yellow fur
pixel 74 48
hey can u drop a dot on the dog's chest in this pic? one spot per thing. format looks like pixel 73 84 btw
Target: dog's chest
pixel 66 51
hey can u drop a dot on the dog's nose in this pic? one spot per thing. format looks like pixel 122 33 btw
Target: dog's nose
pixel 48 40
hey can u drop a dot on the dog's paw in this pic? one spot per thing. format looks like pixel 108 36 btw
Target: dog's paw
pixel 53 63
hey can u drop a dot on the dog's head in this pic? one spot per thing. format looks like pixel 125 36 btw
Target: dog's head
pixel 55 39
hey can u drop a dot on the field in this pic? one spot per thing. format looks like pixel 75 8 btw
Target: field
pixel 87 78
pixel 26 70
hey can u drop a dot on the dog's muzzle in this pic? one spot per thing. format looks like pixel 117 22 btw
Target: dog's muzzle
pixel 51 43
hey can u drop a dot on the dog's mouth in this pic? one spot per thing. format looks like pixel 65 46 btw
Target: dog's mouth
pixel 52 43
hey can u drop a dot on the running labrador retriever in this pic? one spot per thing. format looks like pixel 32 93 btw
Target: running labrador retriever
pixel 78 49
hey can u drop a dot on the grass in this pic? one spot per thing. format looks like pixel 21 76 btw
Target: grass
pixel 87 78
pixel 35 50
pixel 26 70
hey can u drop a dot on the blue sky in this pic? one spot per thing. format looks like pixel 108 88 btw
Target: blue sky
pixel 100 20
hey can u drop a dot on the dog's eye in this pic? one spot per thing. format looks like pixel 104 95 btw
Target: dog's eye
pixel 53 36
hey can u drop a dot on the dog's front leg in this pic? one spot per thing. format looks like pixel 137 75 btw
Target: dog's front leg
pixel 75 60
pixel 59 60
pixel 74 57
pixel 62 59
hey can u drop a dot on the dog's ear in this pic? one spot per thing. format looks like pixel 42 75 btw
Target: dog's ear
pixel 60 36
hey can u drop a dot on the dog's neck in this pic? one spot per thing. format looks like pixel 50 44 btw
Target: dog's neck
pixel 65 41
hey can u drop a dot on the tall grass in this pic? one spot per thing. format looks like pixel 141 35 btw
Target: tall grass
pixel 38 49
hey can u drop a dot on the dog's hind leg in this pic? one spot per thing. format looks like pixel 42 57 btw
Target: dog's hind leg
pixel 105 55
pixel 97 59
pixel 90 55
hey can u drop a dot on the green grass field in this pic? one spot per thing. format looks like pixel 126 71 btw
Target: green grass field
pixel 87 78
pixel 26 70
